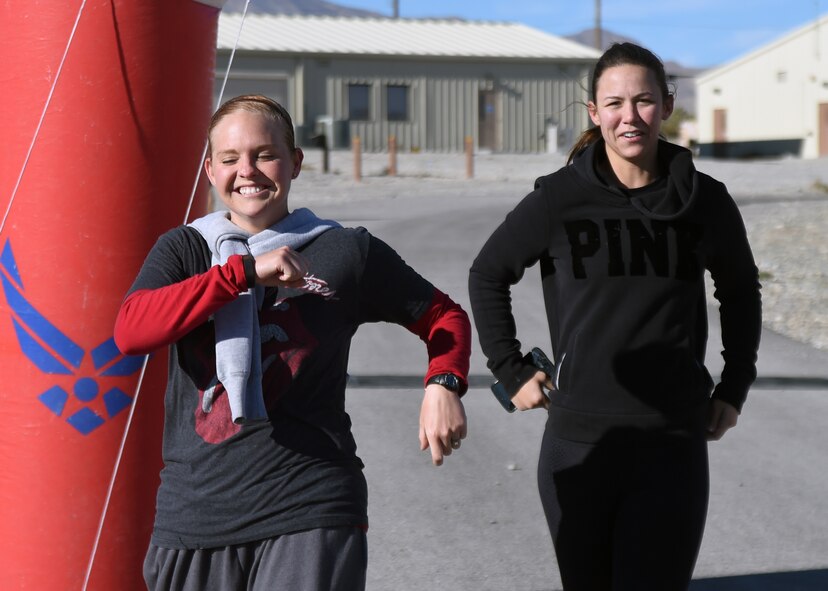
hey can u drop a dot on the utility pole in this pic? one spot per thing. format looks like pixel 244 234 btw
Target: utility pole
pixel 396 4
pixel 598 25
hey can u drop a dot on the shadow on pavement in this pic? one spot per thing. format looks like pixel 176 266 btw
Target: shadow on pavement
pixel 806 580
pixel 485 380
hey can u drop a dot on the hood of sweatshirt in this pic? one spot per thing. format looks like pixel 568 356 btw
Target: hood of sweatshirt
pixel 666 200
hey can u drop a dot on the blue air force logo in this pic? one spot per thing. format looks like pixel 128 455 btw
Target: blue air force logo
pixel 85 393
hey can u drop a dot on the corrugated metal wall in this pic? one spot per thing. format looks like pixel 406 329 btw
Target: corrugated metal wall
pixel 529 106
pixel 451 113
pixel 443 100
pixel 445 110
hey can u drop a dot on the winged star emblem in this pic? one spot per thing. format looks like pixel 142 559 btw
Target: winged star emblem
pixel 85 393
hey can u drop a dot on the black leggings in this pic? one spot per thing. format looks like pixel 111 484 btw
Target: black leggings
pixel 626 513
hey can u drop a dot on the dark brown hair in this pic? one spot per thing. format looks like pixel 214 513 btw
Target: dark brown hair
pixel 620 54
pixel 254 103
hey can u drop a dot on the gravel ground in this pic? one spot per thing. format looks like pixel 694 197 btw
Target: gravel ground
pixel 784 203
pixel 791 251
pixel 785 207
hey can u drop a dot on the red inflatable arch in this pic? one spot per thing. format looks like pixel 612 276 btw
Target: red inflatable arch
pixel 112 167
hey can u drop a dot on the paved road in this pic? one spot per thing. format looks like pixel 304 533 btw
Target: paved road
pixel 476 524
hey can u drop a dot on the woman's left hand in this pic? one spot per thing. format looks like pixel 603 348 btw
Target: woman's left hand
pixel 721 417
pixel 442 422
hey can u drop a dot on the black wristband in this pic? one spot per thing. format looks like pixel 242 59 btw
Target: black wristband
pixel 449 381
pixel 249 270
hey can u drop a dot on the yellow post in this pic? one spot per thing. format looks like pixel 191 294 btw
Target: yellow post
pixel 357 159
pixel 469 157
pixel 392 156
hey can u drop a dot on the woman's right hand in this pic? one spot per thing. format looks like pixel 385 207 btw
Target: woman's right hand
pixel 282 267
pixel 531 394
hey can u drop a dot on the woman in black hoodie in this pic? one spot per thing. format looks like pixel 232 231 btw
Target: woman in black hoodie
pixel 624 234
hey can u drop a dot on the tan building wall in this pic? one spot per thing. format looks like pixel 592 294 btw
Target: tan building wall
pixel 770 98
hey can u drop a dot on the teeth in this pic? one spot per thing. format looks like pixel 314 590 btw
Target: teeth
pixel 250 190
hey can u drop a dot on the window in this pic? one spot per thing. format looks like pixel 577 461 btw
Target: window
pixel 396 102
pixel 359 104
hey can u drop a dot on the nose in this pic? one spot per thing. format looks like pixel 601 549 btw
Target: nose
pixel 630 112
pixel 246 167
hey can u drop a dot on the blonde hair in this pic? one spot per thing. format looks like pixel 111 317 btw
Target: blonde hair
pixel 254 103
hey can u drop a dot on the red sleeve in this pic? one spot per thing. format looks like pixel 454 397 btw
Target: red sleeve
pixel 446 330
pixel 153 318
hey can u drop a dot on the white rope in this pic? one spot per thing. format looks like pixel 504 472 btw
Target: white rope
pixel 42 116
pixel 218 102
pixel 146 358
pixel 114 474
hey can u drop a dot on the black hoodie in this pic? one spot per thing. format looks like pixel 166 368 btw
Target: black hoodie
pixel 623 285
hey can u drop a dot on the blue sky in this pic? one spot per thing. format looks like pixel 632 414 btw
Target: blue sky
pixel 695 33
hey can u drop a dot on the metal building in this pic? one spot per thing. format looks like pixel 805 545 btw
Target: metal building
pixel 770 102
pixel 428 83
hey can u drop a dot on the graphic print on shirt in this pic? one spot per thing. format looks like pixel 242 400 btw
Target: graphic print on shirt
pixel 670 247
pixel 315 285
pixel 286 343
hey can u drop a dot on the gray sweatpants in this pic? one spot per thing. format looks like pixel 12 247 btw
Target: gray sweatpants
pixel 328 559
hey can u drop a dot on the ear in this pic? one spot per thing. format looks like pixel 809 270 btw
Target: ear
pixel 208 168
pixel 667 109
pixel 593 113
pixel 298 157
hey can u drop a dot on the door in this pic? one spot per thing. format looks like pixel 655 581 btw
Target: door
pixel 823 129
pixel 487 119
pixel 719 133
pixel 719 125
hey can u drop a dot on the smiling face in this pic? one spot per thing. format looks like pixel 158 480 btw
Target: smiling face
pixel 629 107
pixel 251 167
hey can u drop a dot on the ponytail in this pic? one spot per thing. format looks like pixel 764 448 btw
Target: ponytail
pixel 587 138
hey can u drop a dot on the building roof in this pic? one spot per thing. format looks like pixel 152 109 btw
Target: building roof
pixel 320 35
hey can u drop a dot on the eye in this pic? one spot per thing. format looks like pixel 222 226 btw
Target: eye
pixel 228 160
pixel 267 156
